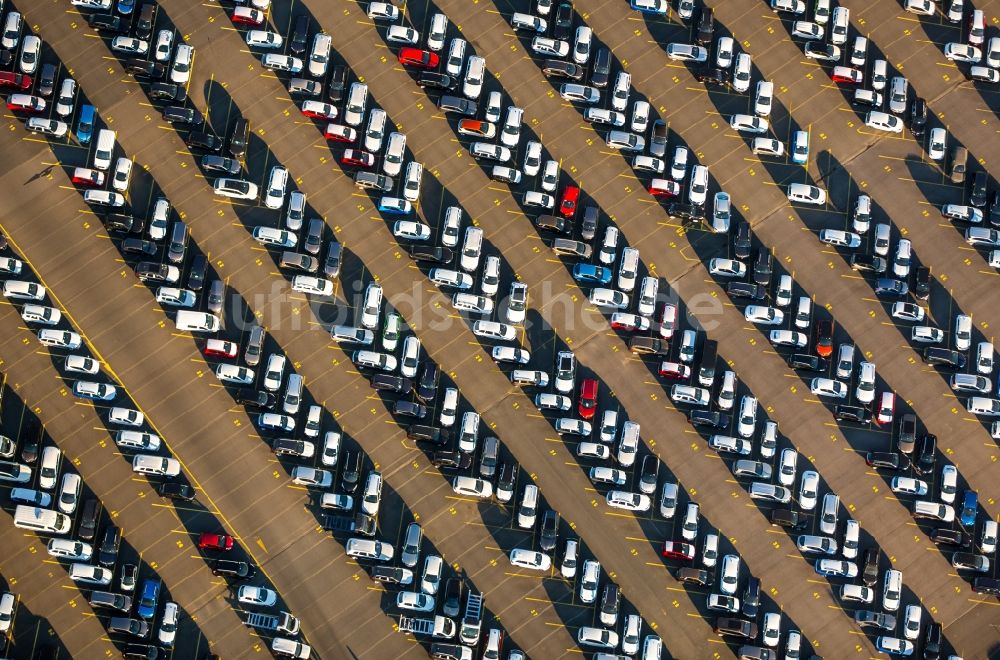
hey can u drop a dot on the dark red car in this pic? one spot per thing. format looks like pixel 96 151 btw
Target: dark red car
pixel 357 158
pixel 248 16
pixel 83 176
pixel 824 338
pixel 26 103
pixel 422 59
pixel 209 541
pixel 15 80
pixel 588 398
pixel 678 550
pixel 568 205
pixel 340 133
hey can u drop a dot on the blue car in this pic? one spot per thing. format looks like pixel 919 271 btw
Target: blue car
pixel 887 286
pixel 970 504
pixel 126 7
pixel 394 206
pixel 148 599
pixel 591 274
pixel 85 127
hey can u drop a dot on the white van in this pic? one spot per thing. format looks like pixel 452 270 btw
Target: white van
pixel 838 29
pixel 529 377
pixel 698 191
pixel 763 98
pixel 234 373
pixel 272 236
pixel 528 511
pixel 357 99
pixel 369 549
pixel 49 470
pixel 319 57
pixel 38 519
pixel 372 495
pixel 471 248
pixel 158 465
pixel 192 321
pixel 137 440
pixel 70 549
pixel 105 149
pixel 535 198
pixel 411 182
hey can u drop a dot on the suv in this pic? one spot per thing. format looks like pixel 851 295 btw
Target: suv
pixel 233 570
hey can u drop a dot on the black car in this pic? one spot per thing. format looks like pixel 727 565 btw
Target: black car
pixel 175 491
pixel 762 267
pixel 554 223
pixel 980 190
pixel 409 409
pixel 687 213
pixel 351 475
pixel 746 290
pixel 648 346
pixel 239 137
pixel 162 91
pixel 741 242
pixel 695 576
pixel 885 459
pixel 139 246
pixel 290 447
pixel 432 80
pixel 300 35
pixel 982 585
pixel 390 383
pixel 108 552
pixel 428 384
pixel 601 72
pixel 233 570
pixel 338 83
pixel 807 362
pixel 221 164
pixel 711 75
pixel 932 642
pixel 994 214
pixel 788 518
pixel 918 117
pixel 734 626
pixel 869 573
pixel 560 69
pixel 927 456
pixel 886 286
pixel 877 620
pixel 118 222
pixel 852 414
pixel 87 529
pixel 922 282
pixel 30 439
pixel 453 588
pixel 453 460
pixel 907 439
pixel 141 67
pixel 142 652
pixel 957 537
pixel 388 574
pixel 562 26
pixel 255 399
pixel 712 419
pixel 108 22
pixel 47 79
pixel 550 529
pixel 588 226
pixel 431 434
pixel 648 473
pixel 706 26
pixel 440 255
pixel 869 263
pixel 181 115
pixel 147 16
pixel 461 106
pixel 751 598
pixel 203 141
pixel 942 357
pixel 199 268
pixel 611 600
pixel 658 139
pixel 331 265
pixel 824 52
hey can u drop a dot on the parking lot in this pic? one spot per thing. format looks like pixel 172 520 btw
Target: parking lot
pixel 243 489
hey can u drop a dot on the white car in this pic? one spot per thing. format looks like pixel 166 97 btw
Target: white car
pixel 906 311
pixel 937 143
pixel 686 52
pixel 808 490
pixel 958 52
pixel 264 39
pixel 276 183
pixel 749 124
pixel 806 194
pixel 122 174
pixel 620 499
pixel 180 70
pixel 730 574
pixel 920 7
pixel 865 391
pixel 787 466
pixel 550 47
pixel 168 624
pixel 411 230
pixel 589 581
pixel 949 483
pixel 741 74
pixel 164 45
pixel 725 50
pixel 763 315
pixel 828 387
pixel 840 238
pixel 581 44
pixel 963 332
pixel 260 596
pixel 532 158
pixel 883 121
pixel 278 62
pixel 727 267
pixel 908 486
pixel 125 417
pixel 523 558
pixel 807 30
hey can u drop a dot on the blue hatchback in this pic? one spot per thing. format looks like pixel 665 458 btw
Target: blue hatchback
pixel 970 505
pixel 85 127
pixel 150 595
pixel 591 274
pixel 125 7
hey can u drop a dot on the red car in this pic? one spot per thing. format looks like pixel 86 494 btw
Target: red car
pixel 678 550
pixel 340 133
pixel 629 322
pixel 588 398
pixel 421 59
pixel 568 205
pixel 83 176
pixel 209 541
pixel 846 74
pixel 664 188
pixel 675 370
pixel 25 102
pixel 824 338
pixel 16 80
pixel 248 16
pixel 358 158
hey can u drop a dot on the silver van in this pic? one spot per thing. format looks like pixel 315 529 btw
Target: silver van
pixel 138 440
pixel 192 321
pixel 293 394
